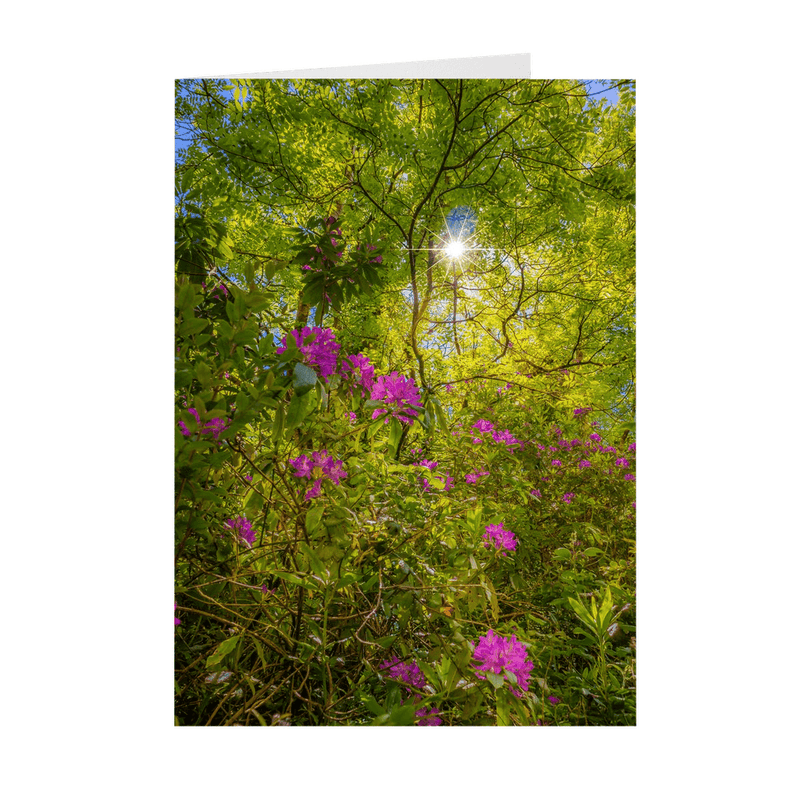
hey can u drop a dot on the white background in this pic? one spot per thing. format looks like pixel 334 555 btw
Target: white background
pixel 87 333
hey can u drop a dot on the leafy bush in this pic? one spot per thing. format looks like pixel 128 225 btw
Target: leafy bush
pixel 328 573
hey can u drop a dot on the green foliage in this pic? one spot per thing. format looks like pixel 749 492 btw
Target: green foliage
pixel 292 621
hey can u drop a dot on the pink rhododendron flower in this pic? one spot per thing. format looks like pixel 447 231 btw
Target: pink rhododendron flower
pixel 428 717
pixel 407 673
pixel 397 393
pixel 316 467
pixel 499 653
pixel 358 369
pixel 322 351
pixel 503 539
pixel 214 426
pixel 182 425
pixel 242 527
pixel 506 438
pixel 483 425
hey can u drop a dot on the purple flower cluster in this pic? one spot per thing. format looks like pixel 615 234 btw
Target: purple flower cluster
pixel 317 466
pixel 407 673
pixel 214 426
pixel 483 425
pixel 580 411
pixel 322 351
pixel 536 493
pixel 568 497
pixel 473 476
pixel 412 675
pixel 428 717
pixel 499 653
pixel 216 289
pixel 242 527
pixel 397 393
pixel 506 438
pixel 503 539
pixel 584 463
pixel 360 371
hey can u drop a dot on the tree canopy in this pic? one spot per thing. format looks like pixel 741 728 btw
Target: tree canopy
pixel 405 396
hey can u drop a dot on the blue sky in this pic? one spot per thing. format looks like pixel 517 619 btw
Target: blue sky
pixel 598 90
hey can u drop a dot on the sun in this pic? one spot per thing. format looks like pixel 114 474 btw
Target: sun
pixel 455 248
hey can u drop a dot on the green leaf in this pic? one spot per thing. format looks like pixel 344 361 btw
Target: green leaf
pixel 375 427
pixel 246 335
pixel 395 432
pixel 491 595
pixel 582 612
pixel 296 580
pixel 299 407
pixel 186 297
pixel 203 374
pixel 253 500
pixel 503 711
pixel 222 650
pixel 277 423
pixel 224 250
pixel 239 302
pixel 496 680
pixel 402 715
pixel 372 705
pixel 304 379
pixel 191 326
pixel 313 517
